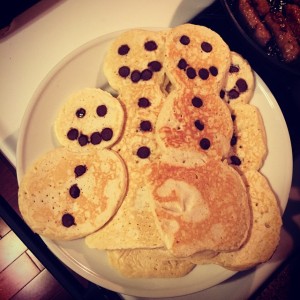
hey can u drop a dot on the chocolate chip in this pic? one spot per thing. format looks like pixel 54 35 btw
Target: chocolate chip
pixel 124 71
pixel 233 117
pixel 199 125
pixel 203 73
pixel 242 85
pixel 233 94
pixel 206 47
pixel 182 64
pixel 150 46
pixel 107 134
pixel 191 73
pixel 155 66
pixel 96 138
pixel 222 94
pixel 233 69
pixel 204 143
pixel 143 152
pixel 80 170
pixel 80 113
pixel 83 140
pixel 146 126
pixel 197 102
pixel 233 140
pixel 123 50
pixel 213 71
pixel 184 40
pixel 72 134
pixel 68 220
pixel 144 102
pixel 101 110
pixel 135 76
pixel 74 191
pixel 146 74
pixel 235 160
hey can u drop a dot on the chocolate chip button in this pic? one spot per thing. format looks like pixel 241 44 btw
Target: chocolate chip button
pixel 80 113
pixel 191 73
pixel 203 73
pixel 107 134
pixel 182 64
pixel 68 220
pixel 206 47
pixel 235 160
pixel 124 71
pixel 135 76
pixel 144 102
pixel 146 126
pixel 74 191
pixel 150 46
pixel 96 138
pixel 199 125
pixel 101 110
pixel 184 40
pixel 155 66
pixel 241 85
pixel 123 50
pixel 146 74
pixel 83 140
pixel 233 94
pixel 143 152
pixel 73 134
pixel 80 170
pixel 204 143
pixel 213 71
pixel 197 102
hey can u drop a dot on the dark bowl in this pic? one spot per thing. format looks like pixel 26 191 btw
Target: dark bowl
pixel 231 7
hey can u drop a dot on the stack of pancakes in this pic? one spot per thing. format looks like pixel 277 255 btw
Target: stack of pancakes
pixel 170 167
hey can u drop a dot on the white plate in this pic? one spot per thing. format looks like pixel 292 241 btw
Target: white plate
pixel 82 68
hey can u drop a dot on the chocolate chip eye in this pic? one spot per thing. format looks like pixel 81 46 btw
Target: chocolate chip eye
pixel 80 113
pixel 233 69
pixel 144 102
pixel 74 191
pixel 68 220
pixel 150 46
pixel 123 50
pixel 199 125
pixel 204 143
pixel 206 47
pixel 184 40
pixel 80 170
pixel 197 102
pixel 143 152
pixel 101 110
pixel 241 85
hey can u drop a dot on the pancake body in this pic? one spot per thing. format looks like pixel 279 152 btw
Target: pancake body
pixel 66 195
pixel 90 118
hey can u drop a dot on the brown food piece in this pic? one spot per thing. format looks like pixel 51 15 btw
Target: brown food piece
pixel 260 32
pixel 293 18
pixel 262 7
pixel 283 35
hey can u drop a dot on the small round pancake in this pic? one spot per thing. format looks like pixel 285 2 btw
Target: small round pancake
pixel 240 83
pixel 196 56
pixel 66 195
pixel 90 118
pixel 148 263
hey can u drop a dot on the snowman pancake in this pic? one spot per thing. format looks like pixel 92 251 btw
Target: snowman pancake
pixel 90 119
pixel 66 195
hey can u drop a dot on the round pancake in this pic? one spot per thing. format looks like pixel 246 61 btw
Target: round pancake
pixel 65 195
pixel 90 118
pixel 201 208
pixel 196 56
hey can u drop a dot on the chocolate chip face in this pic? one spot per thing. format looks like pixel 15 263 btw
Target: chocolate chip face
pixel 80 170
pixel 101 110
pixel 206 47
pixel 96 138
pixel 197 102
pixel 124 71
pixel 80 113
pixel 74 191
pixel 203 73
pixel 107 134
pixel 143 152
pixel 123 50
pixel 73 134
pixel 68 220
pixel 199 125
pixel 145 126
pixel 235 160
pixel 155 66
pixel 204 143
pixel 241 85
pixel 184 40
pixel 144 102
pixel 150 46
